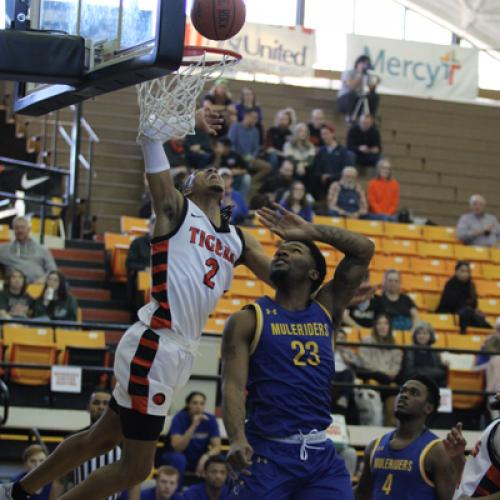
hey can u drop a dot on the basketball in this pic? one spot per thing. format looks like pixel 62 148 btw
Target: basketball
pixel 218 19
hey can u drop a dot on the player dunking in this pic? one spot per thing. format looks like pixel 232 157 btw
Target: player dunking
pixel 193 253
pixel 411 462
pixel 281 351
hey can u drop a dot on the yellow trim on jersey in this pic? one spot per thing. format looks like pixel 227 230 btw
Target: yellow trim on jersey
pixel 259 323
pixel 421 461
pixel 374 449
pixel 325 310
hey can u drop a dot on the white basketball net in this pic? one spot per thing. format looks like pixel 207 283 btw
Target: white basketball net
pixel 168 104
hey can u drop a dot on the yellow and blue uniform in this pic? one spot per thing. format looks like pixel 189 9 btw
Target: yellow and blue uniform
pixel 401 473
pixel 289 393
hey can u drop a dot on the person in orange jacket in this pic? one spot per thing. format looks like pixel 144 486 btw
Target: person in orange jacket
pixel 383 193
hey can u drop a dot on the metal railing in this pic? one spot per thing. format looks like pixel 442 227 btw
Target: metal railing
pixel 53 128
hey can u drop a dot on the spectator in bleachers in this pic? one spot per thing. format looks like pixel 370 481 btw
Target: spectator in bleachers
pixel 383 193
pixel 355 84
pixel 346 363
pixel 316 123
pixel 346 197
pixel 14 301
pixel 25 253
pixel 478 227
pixel 459 297
pixel 424 361
pixel 248 102
pixel 492 343
pixel 198 148
pixel 167 482
pixel 232 198
pixel 300 151
pixel 33 456
pixel 363 139
pixel 225 156
pixel 381 364
pixel 244 137
pixel 55 302
pixel 145 208
pixel 176 154
pixel 214 487
pixel 276 137
pixel 329 162
pixel 398 306
pixel 219 99
pixel 297 201
pixel 280 182
pixel 491 365
pixel 361 315
pixel 194 437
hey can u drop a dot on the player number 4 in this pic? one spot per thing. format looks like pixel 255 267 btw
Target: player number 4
pixel 387 487
pixel 307 354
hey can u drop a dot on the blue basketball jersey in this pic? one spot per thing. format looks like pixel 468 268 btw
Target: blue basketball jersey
pixel 400 474
pixel 290 371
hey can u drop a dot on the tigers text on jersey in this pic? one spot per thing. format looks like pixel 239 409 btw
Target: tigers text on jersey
pixel 400 474
pixel 481 475
pixel 290 371
pixel 190 270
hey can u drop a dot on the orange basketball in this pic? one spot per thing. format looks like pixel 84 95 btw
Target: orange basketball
pixel 218 19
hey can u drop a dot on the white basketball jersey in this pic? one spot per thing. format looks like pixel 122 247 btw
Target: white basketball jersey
pixel 190 270
pixel 481 476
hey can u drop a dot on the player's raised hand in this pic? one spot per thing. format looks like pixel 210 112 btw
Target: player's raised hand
pixel 284 223
pixel 209 121
pixel 365 292
pixel 239 456
pixel 455 443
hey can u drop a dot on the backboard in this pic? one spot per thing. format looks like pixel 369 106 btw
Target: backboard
pixel 126 42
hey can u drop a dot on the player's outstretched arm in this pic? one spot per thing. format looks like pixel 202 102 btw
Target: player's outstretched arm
pixel 363 490
pixel 358 250
pixel 443 471
pixel 236 340
pixel 166 200
pixel 255 258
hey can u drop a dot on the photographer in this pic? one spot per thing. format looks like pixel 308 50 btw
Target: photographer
pixel 356 84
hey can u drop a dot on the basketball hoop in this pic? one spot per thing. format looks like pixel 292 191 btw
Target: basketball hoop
pixel 168 104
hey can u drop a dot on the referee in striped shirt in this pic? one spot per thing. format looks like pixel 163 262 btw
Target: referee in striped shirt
pixel 98 403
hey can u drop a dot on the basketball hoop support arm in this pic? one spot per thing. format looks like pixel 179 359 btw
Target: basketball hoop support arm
pixel 20 19
pixel 73 171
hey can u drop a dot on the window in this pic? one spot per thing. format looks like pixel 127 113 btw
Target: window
pixel 383 18
pixel 489 69
pixel 278 12
pixel 420 29
pixel 332 20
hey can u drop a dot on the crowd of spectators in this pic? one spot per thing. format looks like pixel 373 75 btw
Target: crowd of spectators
pixel 25 261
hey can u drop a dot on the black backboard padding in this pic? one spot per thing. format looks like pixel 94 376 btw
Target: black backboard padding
pixel 165 57
pixel 35 56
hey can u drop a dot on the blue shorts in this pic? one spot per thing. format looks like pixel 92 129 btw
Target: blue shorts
pixel 278 473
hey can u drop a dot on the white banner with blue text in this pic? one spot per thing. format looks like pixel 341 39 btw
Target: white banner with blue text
pixel 419 69
pixel 276 50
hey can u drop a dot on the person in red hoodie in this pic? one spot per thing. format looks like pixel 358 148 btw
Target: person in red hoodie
pixel 383 193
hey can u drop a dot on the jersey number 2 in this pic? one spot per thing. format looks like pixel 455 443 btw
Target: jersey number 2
pixel 208 279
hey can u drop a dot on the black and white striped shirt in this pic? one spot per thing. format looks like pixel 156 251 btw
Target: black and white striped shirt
pixel 83 471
